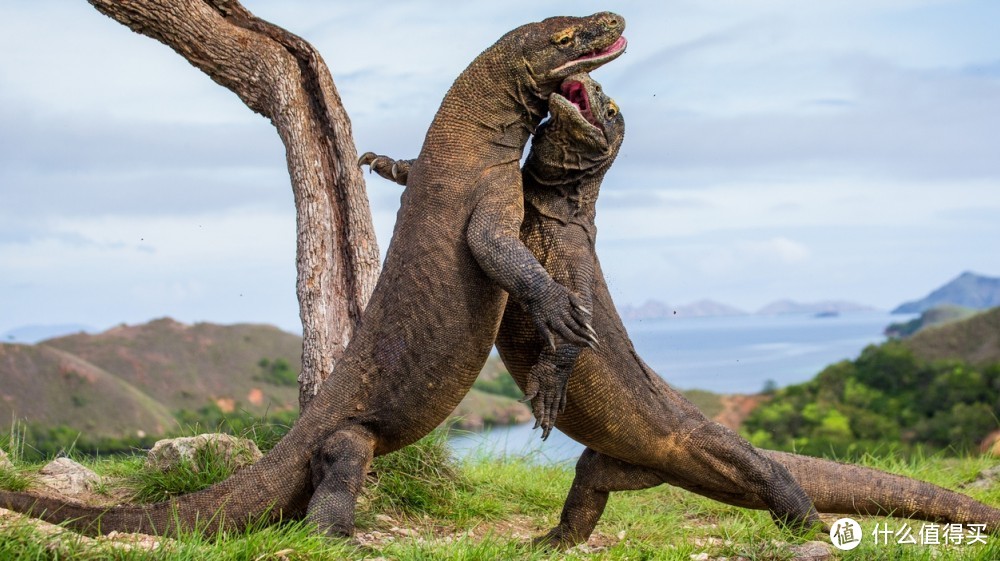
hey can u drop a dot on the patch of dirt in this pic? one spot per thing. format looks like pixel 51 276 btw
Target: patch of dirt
pixel 737 407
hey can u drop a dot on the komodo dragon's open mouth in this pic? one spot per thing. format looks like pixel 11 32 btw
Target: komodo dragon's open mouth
pixel 613 49
pixel 589 61
pixel 576 93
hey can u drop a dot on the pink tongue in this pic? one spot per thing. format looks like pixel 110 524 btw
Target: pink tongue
pixel 577 95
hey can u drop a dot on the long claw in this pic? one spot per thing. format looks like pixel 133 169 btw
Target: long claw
pixel 527 397
pixel 583 309
pixel 366 159
pixel 394 170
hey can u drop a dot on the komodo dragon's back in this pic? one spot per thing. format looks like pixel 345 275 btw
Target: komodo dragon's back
pixel 432 318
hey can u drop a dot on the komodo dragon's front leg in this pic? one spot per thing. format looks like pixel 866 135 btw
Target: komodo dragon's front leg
pixel 546 385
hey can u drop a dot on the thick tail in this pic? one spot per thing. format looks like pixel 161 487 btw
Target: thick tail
pixel 839 488
pixel 277 486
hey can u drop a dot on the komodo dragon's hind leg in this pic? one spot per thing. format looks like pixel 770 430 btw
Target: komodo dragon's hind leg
pixel 339 468
pixel 596 476
pixel 713 461
pixel 716 462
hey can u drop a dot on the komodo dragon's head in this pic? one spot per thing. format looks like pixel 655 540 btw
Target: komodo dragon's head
pixel 582 135
pixel 558 47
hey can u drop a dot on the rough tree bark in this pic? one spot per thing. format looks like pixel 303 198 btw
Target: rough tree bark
pixel 282 77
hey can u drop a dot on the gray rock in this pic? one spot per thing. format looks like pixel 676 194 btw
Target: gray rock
pixel 172 452
pixel 986 478
pixel 5 461
pixel 67 477
pixel 812 551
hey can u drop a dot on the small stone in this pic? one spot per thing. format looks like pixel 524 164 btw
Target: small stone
pixel 812 551
pixel 68 477
pixel 170 453
pixel 409 532
pixel 621 535
pixel 699 556
pixel 5 462
pixel 986 478
pixel 384 518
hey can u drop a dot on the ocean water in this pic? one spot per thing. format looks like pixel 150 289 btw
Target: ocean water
pixel 720 354
pixel 740 354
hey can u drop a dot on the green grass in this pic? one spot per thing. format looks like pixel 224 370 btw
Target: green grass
pixel 11 477
pixel 420 504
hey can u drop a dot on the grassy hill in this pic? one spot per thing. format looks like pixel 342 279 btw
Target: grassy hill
pixel 158 377
pixel 937 315
pixel 185 366
pixel 53 387
pixel 975 340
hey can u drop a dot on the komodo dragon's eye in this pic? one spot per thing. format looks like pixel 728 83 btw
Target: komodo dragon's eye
pixel 612 110
pixel 563 38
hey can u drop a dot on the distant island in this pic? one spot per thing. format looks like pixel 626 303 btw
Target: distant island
pixel 655 309
pixel 969 290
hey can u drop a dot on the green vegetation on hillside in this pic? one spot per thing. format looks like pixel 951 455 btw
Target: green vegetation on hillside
pixel 500 385
pixel 278 372
pixel 886 398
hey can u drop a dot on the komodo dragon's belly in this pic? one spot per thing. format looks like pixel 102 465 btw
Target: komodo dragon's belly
pixel 427 331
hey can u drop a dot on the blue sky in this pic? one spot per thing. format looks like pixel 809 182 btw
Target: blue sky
pixel 774 149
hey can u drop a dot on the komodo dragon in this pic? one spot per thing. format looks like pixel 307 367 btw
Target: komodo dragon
pixel 639 431
pixel 434 314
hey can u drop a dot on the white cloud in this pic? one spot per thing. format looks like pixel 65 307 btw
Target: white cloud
pixel 778 249
pixel 828 140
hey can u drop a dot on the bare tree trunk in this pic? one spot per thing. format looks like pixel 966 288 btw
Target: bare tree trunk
pixel 282 77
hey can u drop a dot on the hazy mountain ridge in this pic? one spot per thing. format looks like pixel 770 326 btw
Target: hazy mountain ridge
pixel 969 290
pixel 655 309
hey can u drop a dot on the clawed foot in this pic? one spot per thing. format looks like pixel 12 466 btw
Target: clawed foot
pixel 386 167
pixel 558 311
pixel 555 540
pixel 546 390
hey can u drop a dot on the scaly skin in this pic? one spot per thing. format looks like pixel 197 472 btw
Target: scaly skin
pixel 433 315
pixel 639 431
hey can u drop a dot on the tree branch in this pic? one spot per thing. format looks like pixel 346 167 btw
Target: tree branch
pixel 282 77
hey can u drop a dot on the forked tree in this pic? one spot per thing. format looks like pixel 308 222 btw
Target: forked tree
pixel 282 77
